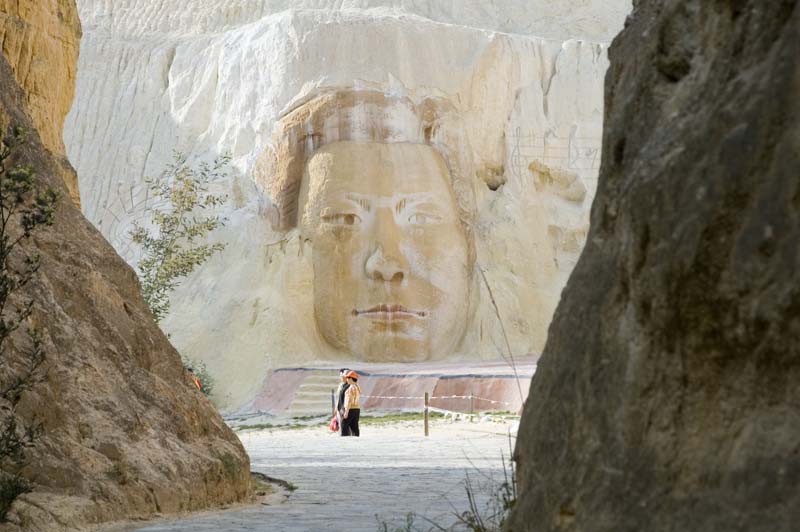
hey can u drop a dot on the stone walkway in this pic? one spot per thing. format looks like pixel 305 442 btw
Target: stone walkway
pixel 343 483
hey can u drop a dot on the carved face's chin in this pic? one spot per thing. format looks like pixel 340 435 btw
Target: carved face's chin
pixel 415 339
pixel 388 346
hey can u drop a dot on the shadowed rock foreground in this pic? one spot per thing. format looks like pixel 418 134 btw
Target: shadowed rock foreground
pixel 668 397
pixel 124 435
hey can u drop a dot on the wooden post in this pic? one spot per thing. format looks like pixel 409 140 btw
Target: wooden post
pixel 426 413
pixel 471 405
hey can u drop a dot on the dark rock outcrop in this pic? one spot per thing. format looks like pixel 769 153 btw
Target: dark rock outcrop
pixel 124 433
pixel 668 396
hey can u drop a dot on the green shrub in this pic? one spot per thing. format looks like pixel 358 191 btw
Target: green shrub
pixel 25 207
pixel 175 242
pixel 11 487
pixel 201 371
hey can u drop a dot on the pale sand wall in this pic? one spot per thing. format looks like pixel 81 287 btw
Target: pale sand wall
pixel 207 78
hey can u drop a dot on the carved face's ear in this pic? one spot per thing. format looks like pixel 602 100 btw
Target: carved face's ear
pixel 270 212
pixel 430 120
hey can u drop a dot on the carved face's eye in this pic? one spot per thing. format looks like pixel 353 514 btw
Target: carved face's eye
pixel 341 218
pixel 419 218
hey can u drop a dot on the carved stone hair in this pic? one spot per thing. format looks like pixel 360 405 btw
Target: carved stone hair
pixel 359 115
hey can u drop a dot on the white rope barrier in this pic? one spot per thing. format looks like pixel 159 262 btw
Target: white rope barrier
pixel 403 397
pixel 474 397
pixel 389 397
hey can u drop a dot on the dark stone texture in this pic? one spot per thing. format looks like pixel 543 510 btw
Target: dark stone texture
pixel 668 395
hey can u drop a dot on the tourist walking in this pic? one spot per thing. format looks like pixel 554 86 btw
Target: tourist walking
pixel 352 406
pixel 338 408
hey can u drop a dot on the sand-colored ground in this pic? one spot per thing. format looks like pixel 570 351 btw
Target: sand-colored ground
pixel 343 483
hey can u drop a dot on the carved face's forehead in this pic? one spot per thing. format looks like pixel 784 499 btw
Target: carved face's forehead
pixel 376 173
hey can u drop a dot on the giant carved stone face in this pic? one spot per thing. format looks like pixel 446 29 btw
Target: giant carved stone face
pixel 390 256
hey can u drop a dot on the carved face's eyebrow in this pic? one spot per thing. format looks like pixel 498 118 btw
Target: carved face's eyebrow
pixel 401 205
pixel 404 202
pixel 360 200
pixel 413 200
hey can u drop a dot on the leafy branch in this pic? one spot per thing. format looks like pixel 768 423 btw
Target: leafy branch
pixel 176 242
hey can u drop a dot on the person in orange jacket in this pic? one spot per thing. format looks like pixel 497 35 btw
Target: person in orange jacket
pixel 195 379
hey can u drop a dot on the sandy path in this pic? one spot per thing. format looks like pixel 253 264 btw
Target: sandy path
pixel 342 483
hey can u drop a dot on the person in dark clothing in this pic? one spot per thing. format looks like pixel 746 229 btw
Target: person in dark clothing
pixel 352 406
pixel 339 410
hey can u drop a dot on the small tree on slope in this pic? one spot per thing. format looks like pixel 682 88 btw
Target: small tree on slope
pixel 177 242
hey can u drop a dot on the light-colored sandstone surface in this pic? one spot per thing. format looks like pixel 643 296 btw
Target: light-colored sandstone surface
pixel 344 483
pixel 560 20
pixel 213 77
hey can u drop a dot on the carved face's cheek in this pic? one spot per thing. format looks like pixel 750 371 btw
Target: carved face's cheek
pixel 436 248
pixel 441 266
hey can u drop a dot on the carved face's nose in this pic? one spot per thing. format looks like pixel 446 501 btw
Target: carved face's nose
pixel 381 266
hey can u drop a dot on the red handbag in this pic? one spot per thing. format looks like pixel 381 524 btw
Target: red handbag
pixel 334 426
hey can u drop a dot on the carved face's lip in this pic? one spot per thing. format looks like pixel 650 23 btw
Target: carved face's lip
pixel 390 311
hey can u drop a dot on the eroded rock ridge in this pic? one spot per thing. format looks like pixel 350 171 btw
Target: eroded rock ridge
pixel 124 434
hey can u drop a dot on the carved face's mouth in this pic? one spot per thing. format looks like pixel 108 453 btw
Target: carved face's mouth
pixel 388 312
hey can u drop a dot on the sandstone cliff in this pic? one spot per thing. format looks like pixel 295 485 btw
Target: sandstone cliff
pixel 124 434
pixel 31 30
pixel 667 397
